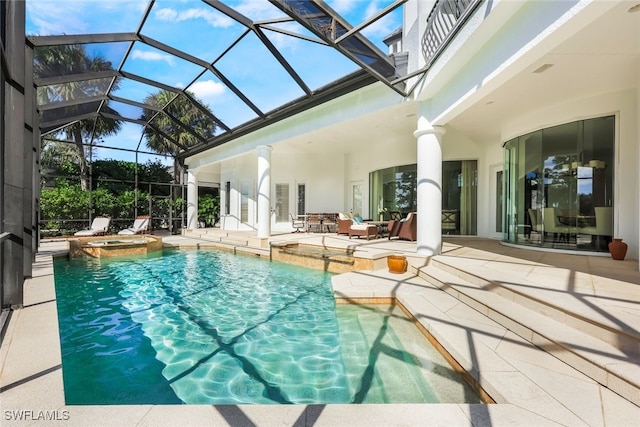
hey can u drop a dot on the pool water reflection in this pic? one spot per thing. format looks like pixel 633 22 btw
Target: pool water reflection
pixel 204 327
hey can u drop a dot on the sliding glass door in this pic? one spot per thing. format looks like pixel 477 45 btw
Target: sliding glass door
pixel 394 190
pixel 559 186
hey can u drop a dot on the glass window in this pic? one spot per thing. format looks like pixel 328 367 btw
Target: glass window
pixel 499 204
pixel 302 201
pixel 244 202
pixel 282 202
pixel 559 186
pixel 227 198
pixel 394 190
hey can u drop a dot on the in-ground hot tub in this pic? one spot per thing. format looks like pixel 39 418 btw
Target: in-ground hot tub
pixel 334 260
pixel 113 246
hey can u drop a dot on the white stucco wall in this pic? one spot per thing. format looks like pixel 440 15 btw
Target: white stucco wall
pixel 471 69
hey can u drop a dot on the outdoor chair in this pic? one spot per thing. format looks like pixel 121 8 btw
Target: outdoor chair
pixel 343 223
pixel 404 229
pixel 314 221
pixel 99 227
pixel 330 221
pixel 140 226
pixel 449 221
pixel 297 224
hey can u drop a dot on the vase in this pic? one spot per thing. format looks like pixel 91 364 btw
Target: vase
pixel 397 263
pixel 617 249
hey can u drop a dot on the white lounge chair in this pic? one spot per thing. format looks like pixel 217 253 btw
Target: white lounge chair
pixel 99 226
pixel 140 226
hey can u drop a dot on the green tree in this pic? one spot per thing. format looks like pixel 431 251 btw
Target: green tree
pixel 184 111
pixel 64 201
pixel 180 137
pixel 66 60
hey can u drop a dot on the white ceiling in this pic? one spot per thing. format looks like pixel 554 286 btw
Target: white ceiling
pixel 603 57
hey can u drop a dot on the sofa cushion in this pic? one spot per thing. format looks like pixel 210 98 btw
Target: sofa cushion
pixel 362 226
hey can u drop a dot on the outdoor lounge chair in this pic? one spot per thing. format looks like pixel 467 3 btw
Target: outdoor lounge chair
pixel 404 229
pixel 344 223
pixel 140 226
pixel 99 227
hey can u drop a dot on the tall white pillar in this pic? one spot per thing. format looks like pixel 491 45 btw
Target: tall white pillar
pixel 429 191
pixel 264 191
pixel 192 201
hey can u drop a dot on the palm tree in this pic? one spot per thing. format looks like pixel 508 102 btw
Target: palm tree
pixel 65 60
pixel 183 110
pixel 179 137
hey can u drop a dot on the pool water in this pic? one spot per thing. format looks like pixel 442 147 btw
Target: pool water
pixel 207 327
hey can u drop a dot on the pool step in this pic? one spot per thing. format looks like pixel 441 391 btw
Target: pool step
pixel 614 366
pixel 215 235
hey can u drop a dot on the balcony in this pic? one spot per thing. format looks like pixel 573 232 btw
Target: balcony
pixel 446 17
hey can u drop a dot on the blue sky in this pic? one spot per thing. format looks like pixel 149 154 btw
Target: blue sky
pixel 197 29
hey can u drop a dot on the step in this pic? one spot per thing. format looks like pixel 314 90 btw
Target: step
pixel 597 359
pixel 604 328
pixel 235 240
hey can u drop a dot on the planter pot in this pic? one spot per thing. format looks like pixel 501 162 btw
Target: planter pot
pixel 618 249
pixel 397 263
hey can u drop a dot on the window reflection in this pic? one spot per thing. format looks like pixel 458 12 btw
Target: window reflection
pixel 394 192
pixel 569 205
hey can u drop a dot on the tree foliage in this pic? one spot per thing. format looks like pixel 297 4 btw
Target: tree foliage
pixel 208 209
pixel 65 60
pixel 182 109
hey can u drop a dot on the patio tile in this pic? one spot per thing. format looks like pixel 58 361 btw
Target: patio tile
pixel 505 415
pixel 526 394
pixel 33 345
pixel 444 415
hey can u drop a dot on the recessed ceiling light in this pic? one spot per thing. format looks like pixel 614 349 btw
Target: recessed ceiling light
pixel 489 102
pixel 635 8
pixel 542 68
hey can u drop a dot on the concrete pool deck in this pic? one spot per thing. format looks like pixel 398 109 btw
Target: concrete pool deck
pixel 530 385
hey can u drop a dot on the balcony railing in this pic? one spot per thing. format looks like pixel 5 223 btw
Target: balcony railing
pixel 446 17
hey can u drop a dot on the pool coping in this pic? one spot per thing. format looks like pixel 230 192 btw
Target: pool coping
pixel 530 386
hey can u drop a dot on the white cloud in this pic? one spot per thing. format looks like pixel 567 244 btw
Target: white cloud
pixel 214 19
pixel 151 56
pixel 258 10
pixel 382 27
pixel 207 90
pixel 45 17
pixel 344 6
pixel 56 17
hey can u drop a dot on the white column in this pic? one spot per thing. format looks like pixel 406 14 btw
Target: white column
pixel 192 201
pixel 429 191
pixel 264 191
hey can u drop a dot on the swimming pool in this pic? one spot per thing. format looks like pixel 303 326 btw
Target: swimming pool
pixel 207 327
